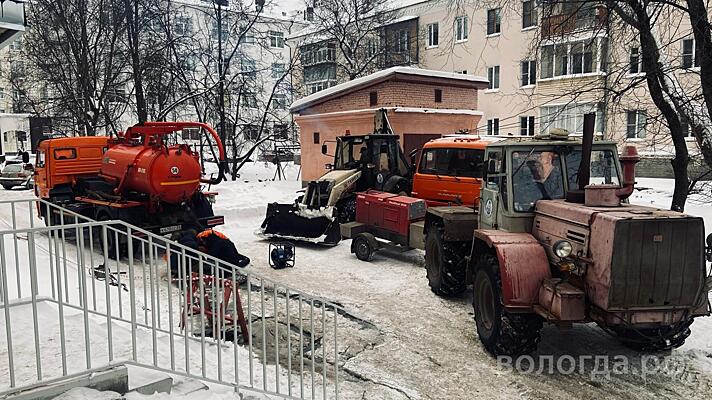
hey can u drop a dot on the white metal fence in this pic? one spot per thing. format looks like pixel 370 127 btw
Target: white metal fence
pixel 72 304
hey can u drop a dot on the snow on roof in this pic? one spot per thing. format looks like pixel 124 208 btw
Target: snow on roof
pixel 382 75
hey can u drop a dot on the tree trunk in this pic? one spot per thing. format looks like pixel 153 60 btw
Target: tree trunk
pixel 133 33
pixel 699 20
pixel 655 79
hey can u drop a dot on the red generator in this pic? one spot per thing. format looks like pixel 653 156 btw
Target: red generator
pixel 383 216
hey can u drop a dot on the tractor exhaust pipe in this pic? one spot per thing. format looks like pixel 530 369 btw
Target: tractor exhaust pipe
pixel 584 171
pixel 628 160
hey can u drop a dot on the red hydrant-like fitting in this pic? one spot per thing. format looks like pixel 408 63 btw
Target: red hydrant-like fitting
pixel 628 160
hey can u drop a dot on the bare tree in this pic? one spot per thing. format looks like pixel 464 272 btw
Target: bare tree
pixel 73 46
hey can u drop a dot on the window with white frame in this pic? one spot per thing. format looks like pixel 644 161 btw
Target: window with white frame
pixel 372 46
pixel 493 126
pixel 494 21
pixel 689 54
pixel 433 35
pixel 568 117
pixel 636 122
pixel 247 36
pixel 251 132
pixel 493 77
pixel 279 101
pixel 183 25
pixel 579 57
pixel 635 65
pixel 214 31
pixel 248 67
pixel 249 100
pixel 526 125
pixel 16 44
pixel 276 39
pixel 461 28
pixel 685 126
pixel 528 72
pixel 529 14
pixel 401 41
pixel 278 70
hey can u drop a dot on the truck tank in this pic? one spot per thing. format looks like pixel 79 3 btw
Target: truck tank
pixel 170 174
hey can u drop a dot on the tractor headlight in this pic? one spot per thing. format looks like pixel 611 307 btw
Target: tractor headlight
pixel 562 248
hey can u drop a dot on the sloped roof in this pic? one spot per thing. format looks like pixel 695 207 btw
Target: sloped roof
pixel 394 73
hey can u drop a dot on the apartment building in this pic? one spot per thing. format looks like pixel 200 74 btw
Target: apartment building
pixel 257 63
pixel 548 65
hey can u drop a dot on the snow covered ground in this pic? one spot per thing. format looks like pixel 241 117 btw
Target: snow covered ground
pixel 410 344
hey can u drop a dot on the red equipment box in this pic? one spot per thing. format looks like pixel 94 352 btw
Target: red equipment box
pixel 388 211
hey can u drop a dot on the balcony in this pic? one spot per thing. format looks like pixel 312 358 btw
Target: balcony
pixel 582 19
pixel 12 20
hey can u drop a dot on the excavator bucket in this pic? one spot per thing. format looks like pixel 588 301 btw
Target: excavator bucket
pixel 290 221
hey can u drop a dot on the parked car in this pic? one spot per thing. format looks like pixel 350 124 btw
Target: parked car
pixel 21 174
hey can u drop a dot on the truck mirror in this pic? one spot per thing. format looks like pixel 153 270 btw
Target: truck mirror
pixel 413 155
pixel 25 157
pixel 709 240
pixel 324 149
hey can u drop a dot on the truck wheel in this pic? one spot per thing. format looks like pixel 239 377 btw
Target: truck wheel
pixel 444 264
pixel 7 187
pixel 655 339
pixel 363 247
pixel 502 333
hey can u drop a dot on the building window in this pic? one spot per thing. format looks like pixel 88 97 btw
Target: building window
pixel 278 70
pixel 526 126
pixel 438 96
pixel 309 14
pixel 279 101
pixel 635 66
pixel 2 93
pixel 251 132
pixel 689 54
pixel 276 39
pixel 247 36
pixel 401 42
pixel 685 126
pixel 569 117
pixel 316 138
pixel 16 44
pixel 528 73
pixel 493 126
pixel 635 128
pixel 461 28
pixel 494 21
pixel 582 56
pixel 223 31
pixel 248 67
pixel 573 58
pixel 373 98
pixel 529 16
pixel 280 131
pixel 249 100
pixel 433 32
pixel 493 77
pixel 183 25
pixel 372 47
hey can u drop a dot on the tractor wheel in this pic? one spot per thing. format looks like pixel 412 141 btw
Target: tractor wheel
pixel 363 247
pixel 501 332
pixel 651 340
pixel 444 264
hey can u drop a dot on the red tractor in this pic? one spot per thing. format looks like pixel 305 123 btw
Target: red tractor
pixel 137 177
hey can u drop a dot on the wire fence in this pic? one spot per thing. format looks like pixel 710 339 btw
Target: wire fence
pixel 78 294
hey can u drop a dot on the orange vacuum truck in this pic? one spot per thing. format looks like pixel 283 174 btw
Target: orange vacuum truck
pixel 137 177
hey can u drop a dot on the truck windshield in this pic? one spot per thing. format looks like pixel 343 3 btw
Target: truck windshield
pixel 603 168
pixel 537 175
pixel 349 153
pixel 452 162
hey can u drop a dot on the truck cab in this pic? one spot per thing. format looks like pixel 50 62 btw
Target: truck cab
pixel 60 161
pixel 449 171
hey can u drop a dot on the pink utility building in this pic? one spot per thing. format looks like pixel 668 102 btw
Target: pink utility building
pixel 422 105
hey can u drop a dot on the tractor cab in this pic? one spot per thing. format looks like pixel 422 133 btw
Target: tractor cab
pixel 521 172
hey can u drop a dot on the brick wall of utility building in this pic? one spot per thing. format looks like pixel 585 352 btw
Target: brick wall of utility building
pixel 400 94
pixel 660 167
